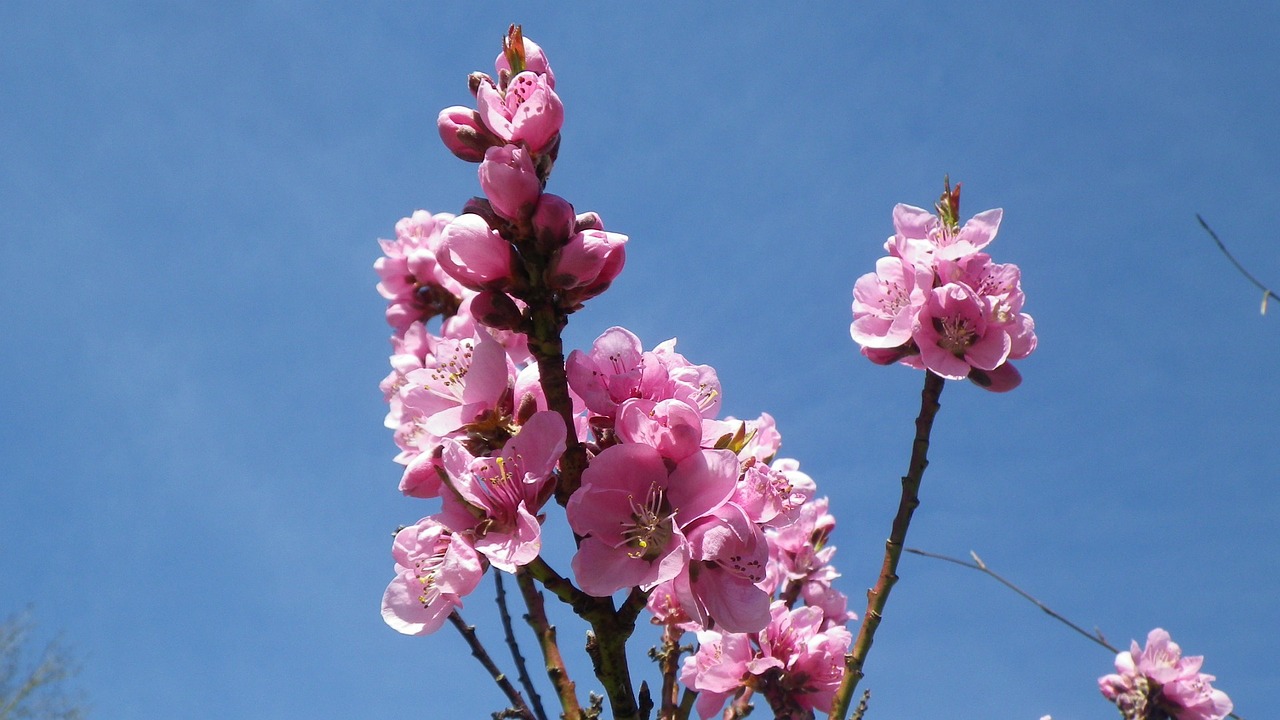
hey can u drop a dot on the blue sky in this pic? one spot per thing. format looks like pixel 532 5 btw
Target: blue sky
pixel 198 491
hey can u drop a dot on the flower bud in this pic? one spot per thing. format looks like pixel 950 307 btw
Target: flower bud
pixel 588 263
pixel 495 310
pixel 464 133
pixel 475 254
pixel 588 221
pixel 535 60
pixel 553 222
pixel 507 176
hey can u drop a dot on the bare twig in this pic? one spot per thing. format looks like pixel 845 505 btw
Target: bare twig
pixel 879 595
pixel 977 564
pixel 981 567
pixel 546 632
pixel 861 710
pixel 522 670
pixel 513 696
pixel 1266 292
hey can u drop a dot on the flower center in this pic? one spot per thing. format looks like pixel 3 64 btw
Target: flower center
pixel 651 527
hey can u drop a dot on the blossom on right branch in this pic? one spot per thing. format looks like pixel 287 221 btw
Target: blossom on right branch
pixel 1157 683
pixel 938 303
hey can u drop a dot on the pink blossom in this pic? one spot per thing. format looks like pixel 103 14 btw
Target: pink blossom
pixel 773 494
pixel 588 263
pixel 721 585
pixel 461 381
pixel 509 180
pixel 717 669
pixel 794 663
pixel 631 512
pixel 614 371
pixel 1158 677
pixel 475 254
pixel 417 288
pixel 527 112
pixel 535 60
pixel 801 663
pixel 435 568
pixel 885 303
pixel 954 335
pixel 921 237
pixel 495 500
pixel 464 133
pixel 669 426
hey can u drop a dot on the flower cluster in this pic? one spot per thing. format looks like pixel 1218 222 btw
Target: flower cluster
pixel 689 507
pixel 938 303
pixel 1158 683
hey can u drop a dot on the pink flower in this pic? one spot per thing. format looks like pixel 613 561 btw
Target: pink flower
pixel 802 664
pixel 921 237
pixel 669 426
pixel 464 133
pixel 508 179
pixel 773 495
pixel 527 112
pixel 631 512
pixel 475 254
pixel 495 500
pixel 885 303
pixel 461 381
pixel 795 664
pixel 717 669
pixel 588 263
pixel 614 371
pixel 434 569
pixel 728 557
pixel 417 288
pixel 535 60
pixel 1157 677
pixel 954 335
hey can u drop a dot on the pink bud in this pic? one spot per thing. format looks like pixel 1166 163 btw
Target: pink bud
pixel 475 254
pixel 535 60
pixel 507 176
pixel 588 221
pixel 464 133
pixel 495 310
pixel 553 222
pixel 588 263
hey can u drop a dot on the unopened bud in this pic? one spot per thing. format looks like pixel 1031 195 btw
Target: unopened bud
pixel 588 221
pixel 495 310
pixel 464 133
pixel 553 222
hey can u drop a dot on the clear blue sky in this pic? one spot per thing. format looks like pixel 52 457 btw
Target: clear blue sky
pixel 197 488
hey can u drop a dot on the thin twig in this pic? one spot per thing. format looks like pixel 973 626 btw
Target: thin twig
pixel 513 695
pixel 669 664
pixel 522 670
pixel 980 566
pixel 879 595
pixel 861 710
pixel 740 706
pixel 1266 292
pixel 546 632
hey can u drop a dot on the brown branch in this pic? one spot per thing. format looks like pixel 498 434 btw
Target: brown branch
pixel 522 670
pixel 513 696
pixel 910 500
pixel 546 632
pixel 1266 292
